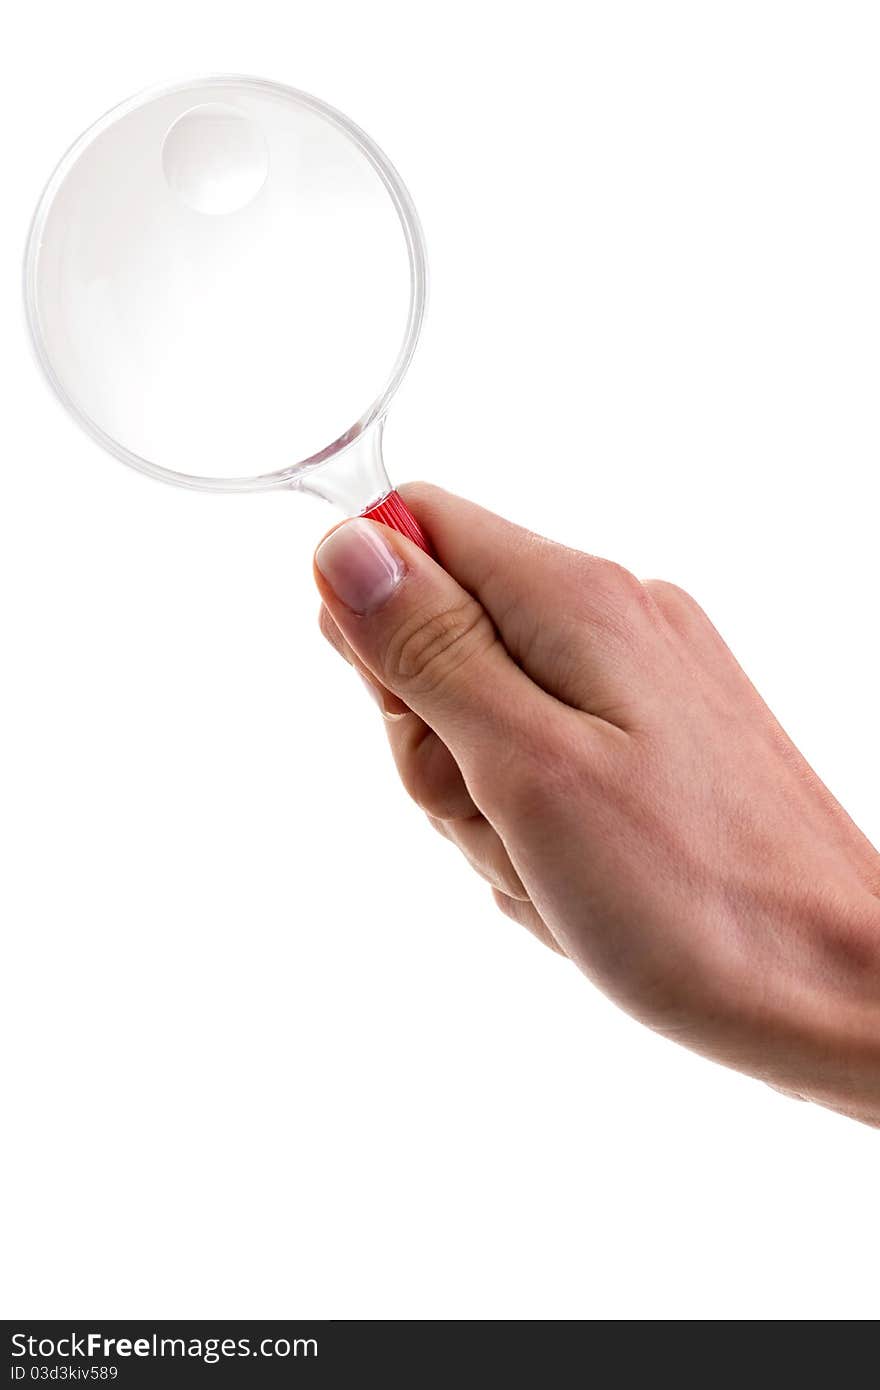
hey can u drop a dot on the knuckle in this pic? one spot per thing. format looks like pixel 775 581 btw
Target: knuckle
pixel 618 577
pixel 420 788
pixel 629 592
pixel 431 777
pixel 510 907
pixel 669 595
pixel 677 606
pixel 616 601
pixel 430 648
pixel 609 578
pixel 438 792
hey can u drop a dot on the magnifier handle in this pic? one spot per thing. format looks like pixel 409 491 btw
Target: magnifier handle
pixel 394 512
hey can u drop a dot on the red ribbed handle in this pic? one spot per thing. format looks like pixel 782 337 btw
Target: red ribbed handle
pixel 394 512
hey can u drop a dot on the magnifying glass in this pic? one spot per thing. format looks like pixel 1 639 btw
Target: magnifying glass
pixel 225 281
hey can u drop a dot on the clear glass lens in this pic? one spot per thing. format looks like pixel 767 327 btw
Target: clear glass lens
pixel 221 279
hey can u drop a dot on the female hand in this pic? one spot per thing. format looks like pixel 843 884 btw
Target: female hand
pixel 593 748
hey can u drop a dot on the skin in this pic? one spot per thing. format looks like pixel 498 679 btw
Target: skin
pixel 593 748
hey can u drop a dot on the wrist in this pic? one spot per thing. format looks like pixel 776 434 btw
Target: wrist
pixel 829 1044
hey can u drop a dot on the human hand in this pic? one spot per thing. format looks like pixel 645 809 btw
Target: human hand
pixel 593 748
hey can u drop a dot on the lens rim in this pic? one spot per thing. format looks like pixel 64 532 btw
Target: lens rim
pixel 290 476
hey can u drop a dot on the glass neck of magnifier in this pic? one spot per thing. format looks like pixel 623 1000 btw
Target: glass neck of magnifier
pixel 354 480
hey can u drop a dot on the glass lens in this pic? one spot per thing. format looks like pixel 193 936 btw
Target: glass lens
pixel 219 279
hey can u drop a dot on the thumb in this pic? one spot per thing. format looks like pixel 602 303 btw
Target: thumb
pixel 425 638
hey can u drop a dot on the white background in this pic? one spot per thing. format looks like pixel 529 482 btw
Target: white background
pixel 240 1078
